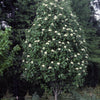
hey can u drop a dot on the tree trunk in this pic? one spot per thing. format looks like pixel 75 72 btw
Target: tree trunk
pixel 56 95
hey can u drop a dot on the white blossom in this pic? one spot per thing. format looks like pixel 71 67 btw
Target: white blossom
pixel 69 50
pixel 51 3
pixel 33 24
pixel 60 14
pixel 71 34
pixel 65 35
pixel 28 55
pixel 49 30
pixel 29 45
pixel 43 48
pixel 65 47
pixel 82 64
pixel 43 65
pixel 45 52
pixel 37 41
pixel 75 30
pixel 86 56
pixel 25 68
pixel 39 25
pixel 27 62
pixel 78 63
pixel 59 48
pixel 47 43
pixel 77 68
pixel 83 61
pixel 55 6
pixel 80 67
pixel 58 63
pixel 56 0
pixel 78 54
pixel 45 4
pixel 49 14
pixel 64 28
pixel 52 24
pixel 43 29
pixel 63 43
pixel 67 59
pixel 51 62
pixel 59 41
pixel 29 30
pixel 52 50
pixel 46 18
pixel 79 74
pixel 59 34
pixel 53 39
pixel 75 55
pixel 71 62
pixel 31 62
pixel 66 19
pixel 67 42
pixel 49 67
pixel 84 40
pixel 26 41
pixel 61 8
pixel 80 29
pixel 55 31
pixel 83 49
pixel 55 17
pixel 23 60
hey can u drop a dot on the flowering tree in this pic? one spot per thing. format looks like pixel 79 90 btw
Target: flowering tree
pixel 54 50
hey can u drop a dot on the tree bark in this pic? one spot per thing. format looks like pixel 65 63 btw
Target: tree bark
pixel 56 95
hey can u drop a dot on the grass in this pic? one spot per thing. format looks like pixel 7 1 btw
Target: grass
pixel 86 91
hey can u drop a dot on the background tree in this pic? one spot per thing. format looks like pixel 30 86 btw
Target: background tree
pixel 55 50
pixel 19 14
pixel 85 13
pixel 5 53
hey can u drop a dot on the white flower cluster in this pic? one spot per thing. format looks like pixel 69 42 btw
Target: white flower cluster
pixel 36 41
pixel 52 24
pixel 52 50
pixel 31 62
pixel 43 65
pixel 28 56
pixel 56 0
pixel 39 24
pixel 23 60
pixel 43 30
pixel 30 45
pixel 46 18
pixel 45 4
pixel 49 67
pixel 48 42
pixel 51 3
pixel 58 63
pixel 50 30
pixel 82 49
pixel 66 35
pixel 55 17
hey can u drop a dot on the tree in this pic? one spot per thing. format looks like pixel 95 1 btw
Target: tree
pixel 85 12
pixel 18 14
pixel 55 50
pixel 5 53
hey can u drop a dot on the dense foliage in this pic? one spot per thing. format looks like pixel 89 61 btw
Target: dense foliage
pixel 5 53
